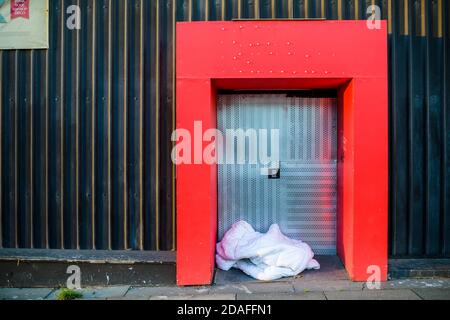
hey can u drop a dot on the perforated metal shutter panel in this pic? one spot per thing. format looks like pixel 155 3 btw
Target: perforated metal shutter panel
pixel 303 200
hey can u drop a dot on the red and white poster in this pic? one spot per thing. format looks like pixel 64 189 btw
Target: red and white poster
pixel 20 9
pixel 23 24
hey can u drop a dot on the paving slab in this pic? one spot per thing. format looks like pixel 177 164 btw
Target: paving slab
pixel 433 294
pixel 97 293
pixel 417 283
pixel 211 297
pixel 269 296
pixel 255 287
pixel 166 291
pixel 323 285
pixel 127 298
pixel 270 287
pixel 401 294
pixel 230 288
pixel 25 294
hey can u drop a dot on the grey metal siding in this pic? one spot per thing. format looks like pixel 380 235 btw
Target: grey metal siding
pixel 303 200
pixel 85 126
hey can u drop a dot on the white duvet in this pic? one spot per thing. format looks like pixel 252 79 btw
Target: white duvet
pixel 264 257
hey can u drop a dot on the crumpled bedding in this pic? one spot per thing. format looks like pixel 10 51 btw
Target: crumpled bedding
pixel 265 257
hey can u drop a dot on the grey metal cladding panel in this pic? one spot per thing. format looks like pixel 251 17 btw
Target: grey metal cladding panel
pixel 303 201
pixel 310 209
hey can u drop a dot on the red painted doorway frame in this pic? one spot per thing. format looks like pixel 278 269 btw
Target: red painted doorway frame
pixel 283 55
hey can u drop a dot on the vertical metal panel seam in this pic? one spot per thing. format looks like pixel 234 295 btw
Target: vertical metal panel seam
pixel 392 122
pixel 446 211
pixel 340 10
pixel 446 36
pixel 423 29
pixel 174 37
pixel 239 8
pixel 306 9
pixel 410 128
pixel 45 141
pixel 93 107
pixel 273 9
pixel 189 10
pixel 61 100
pixel 77 133
pixel 141 126
pixel 16 125
pixel 290 9
pixel 443 215
pixel 406 17
pixel 1 149
pixel 108 157
pixel 125 129
pixel 157 120
pixel 256 8
pixel 223 10
pixel 425 32
pixel 322 8
pixel 46 157
pixel 408 111
pixel 30 133
pixel 440 20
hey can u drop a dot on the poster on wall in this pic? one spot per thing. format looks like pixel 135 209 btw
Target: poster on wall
pixel 23 24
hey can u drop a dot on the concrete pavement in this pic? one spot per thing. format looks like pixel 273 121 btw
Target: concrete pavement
pixel 329 283
pixel 290 289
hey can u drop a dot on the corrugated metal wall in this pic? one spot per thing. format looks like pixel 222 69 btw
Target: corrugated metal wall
pixel 420 129
pixel 85 126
